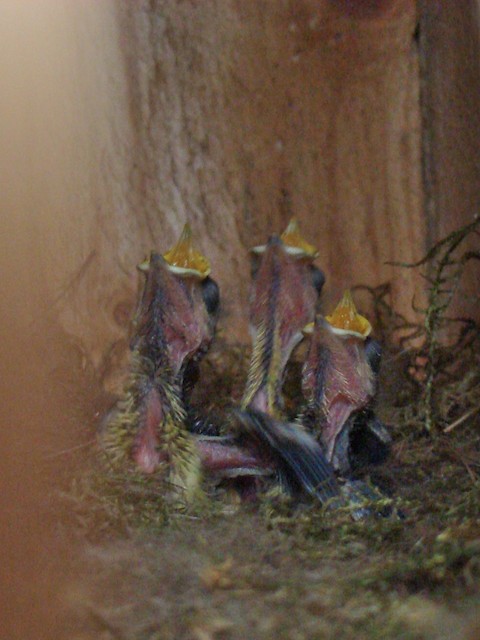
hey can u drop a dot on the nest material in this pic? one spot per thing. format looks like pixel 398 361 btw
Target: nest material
pixel 391 578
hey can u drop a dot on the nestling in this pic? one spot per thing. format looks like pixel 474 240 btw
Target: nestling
pixel 173 328
pixel 339 383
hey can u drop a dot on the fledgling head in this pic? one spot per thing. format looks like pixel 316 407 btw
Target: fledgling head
pixel 286 286
pixel 174 326
pixel 285 283
pixel 338 378
pixel 178 309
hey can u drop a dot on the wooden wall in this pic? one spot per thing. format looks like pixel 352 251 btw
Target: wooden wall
pixel 450 101
pixel 130 118
pixel 120 120
pixel 450 80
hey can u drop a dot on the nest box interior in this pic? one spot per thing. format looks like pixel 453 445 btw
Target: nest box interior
pixel 124 120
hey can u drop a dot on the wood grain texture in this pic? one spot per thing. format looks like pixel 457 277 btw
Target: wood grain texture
pixel 245 113
pixel 450 42
pixel 232 114
pixel 450 69
pixel 291 110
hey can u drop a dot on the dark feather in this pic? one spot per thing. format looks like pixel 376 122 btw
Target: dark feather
pixel 297 454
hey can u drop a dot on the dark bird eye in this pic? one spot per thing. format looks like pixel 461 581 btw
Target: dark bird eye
pixel 318 278
pixel 254 264
pixel 211 295
pixel 373 352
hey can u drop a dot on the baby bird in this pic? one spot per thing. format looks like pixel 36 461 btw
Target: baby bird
pixel 339 383
pixel 285 290
pixel 173 328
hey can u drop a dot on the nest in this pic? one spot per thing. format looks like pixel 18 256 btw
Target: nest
pixel 379 572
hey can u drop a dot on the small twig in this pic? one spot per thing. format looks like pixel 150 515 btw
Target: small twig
pixel 462 419
pixel 472 474
pixel 72 282
pixel 456 455
pixel 57 454
pixel 396 356
pixel 444 277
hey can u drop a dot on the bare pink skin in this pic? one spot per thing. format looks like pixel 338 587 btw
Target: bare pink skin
pixel 172 325
pixel 145 451
pixel 285 281
pixel 260 401
pixel 283 298
pixel 183 318
pixel 187 325
pixel 214 456
pixel 217 457
pixel 173 316
pixel 337 375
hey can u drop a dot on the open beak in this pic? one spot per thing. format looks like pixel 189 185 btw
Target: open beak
pixel 184 260
pixel 294 243
pixel 346 321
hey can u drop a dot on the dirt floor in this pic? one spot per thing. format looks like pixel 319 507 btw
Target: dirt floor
pixel 140 570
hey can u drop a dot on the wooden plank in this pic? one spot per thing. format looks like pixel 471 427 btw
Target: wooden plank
pixel 450 66
pixel 450 46
pixel 235 115
pixel 247 113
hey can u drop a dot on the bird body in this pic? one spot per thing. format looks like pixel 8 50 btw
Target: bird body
pixel 173 327
pixel 285 291
pixel 339 382
pixel 284 295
